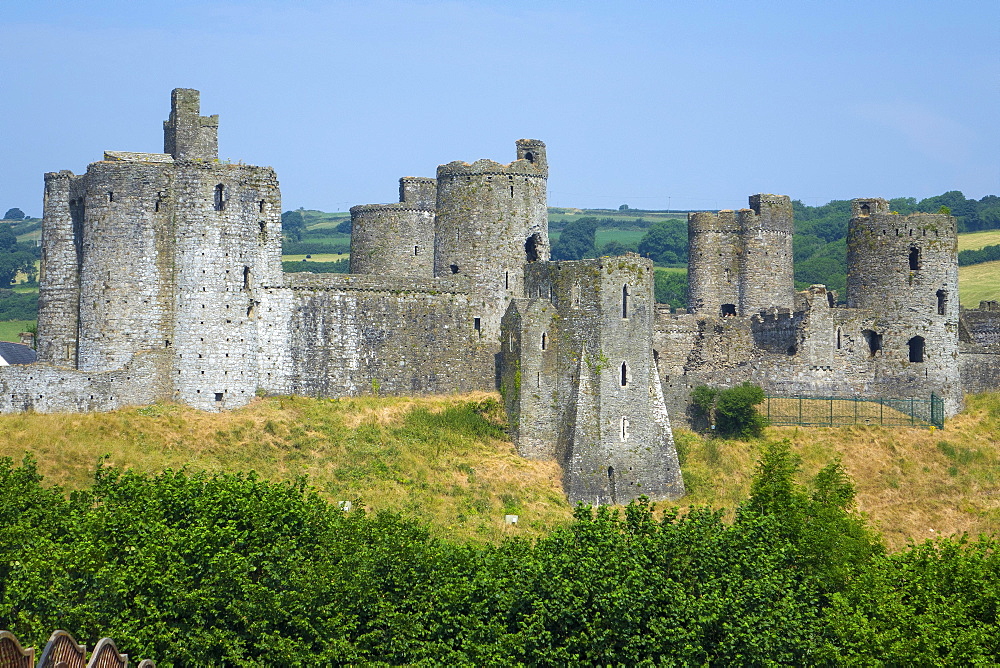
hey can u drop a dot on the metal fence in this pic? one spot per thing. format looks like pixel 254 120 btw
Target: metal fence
pixel 841 411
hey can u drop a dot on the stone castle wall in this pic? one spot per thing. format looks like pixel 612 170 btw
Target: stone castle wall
pixel 343 335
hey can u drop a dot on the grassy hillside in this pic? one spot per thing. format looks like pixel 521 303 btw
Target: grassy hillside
pixel 977 282
pixel 10 330
pixel 977 240
pixel 912 483
pixel 447 461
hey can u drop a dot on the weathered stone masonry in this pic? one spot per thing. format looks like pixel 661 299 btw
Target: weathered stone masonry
pixel 161 280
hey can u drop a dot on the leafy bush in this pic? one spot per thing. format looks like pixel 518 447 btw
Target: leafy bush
pixel 736 411
pixel 733 411
pixel 671 288
pixel 200 569
pixel 666 242
pixel 576 240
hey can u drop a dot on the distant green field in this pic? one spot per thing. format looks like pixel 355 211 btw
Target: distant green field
pixel 671 270
pixel 603 236
pixel 566 215
pixel 316 257
pixel 977 240
pixel 978 282
pixel 10 329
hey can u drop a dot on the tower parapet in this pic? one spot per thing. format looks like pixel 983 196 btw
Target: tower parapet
pixel 418 191
pixel 187 134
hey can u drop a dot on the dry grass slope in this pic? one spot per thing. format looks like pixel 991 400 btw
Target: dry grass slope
pixel 912 483
pixel 977 282
pixel 444 460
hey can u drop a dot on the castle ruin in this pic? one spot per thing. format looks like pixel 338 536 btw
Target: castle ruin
pixel 161 281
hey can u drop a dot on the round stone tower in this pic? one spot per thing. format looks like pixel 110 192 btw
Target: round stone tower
pixel 713 264
pixel 491 220
pixel 126 268
pixel 903 271
pixel 903 264
pixel 396 239
pixel 766 273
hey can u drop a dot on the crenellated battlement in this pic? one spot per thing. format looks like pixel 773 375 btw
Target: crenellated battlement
pixel 486 167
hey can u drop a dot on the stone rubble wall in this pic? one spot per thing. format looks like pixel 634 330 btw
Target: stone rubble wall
pixel 46 388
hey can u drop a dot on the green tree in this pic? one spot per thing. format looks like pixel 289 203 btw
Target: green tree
pixel 12 260
pixel 617 248
pixel 293 224
pixel 671 287
pixel 576 240
pixel 14 214
pixel 830 537
pixel 665 242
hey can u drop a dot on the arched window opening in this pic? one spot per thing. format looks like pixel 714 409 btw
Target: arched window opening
pixel 914 258
pixel 942 302
pixel 544 340
pixel 866 210
pixel 454 268
pixel 625 300
pixel 260 205
pixel 916 345
pixel 874 341
pixel 624 374
pixel 728 310
pixel 220 197
pixel 531 248
pixel 829 300
pixel 838 338
pixel 529 156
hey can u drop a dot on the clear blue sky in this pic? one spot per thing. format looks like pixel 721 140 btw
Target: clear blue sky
pixel 653 104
